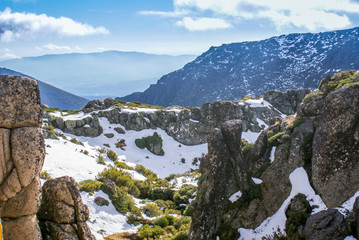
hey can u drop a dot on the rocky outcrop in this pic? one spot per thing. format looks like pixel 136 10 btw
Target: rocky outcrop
pixel 151 143
pixel 322 138
pixel 88 126
pixel 336 147
pixel 21 157
pixel 328 224
pixel 188 126
pixel 223 161
pixel 62 214
pixel 286 102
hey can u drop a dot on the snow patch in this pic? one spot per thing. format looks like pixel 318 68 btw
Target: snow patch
pixel 105 220
pixel 235 196
pixel 257 180
pixel 300 184
pixel 272 155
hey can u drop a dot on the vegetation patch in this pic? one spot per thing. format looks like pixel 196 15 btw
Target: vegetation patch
pixel 136 104
pixel 151 143
pixel 275 140
pixel 90 186
pixel 112 155
pixel 45 175
pixel 246 146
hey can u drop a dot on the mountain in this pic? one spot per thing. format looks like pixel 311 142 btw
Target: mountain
pixel 105 74
pixel 52 96
pixel 232 71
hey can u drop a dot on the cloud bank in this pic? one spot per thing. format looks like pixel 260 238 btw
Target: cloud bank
pixel 14 25
pixel 306 14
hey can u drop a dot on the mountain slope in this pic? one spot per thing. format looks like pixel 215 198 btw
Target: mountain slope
pixel 110 73
pixel 233 70
pixel 52 96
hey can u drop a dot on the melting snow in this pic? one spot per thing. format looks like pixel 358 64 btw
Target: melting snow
pixel 272 154
pixel 257 180
pixel 235 196
pixel 105 220
pixel 300 184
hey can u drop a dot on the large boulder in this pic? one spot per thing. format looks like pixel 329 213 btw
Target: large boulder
pixel 62 214
pixel 326 224
pixel 286 102
pixel 335 162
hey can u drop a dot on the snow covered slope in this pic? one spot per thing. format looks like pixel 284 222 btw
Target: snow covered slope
pixel 231 71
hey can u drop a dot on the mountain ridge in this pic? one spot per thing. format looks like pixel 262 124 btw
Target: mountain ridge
pixel 52 96
pixel 109 73
pixel 231 71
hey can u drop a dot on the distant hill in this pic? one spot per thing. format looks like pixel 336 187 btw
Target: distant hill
pixel 52 96
pixel 102 74
pixel 233 70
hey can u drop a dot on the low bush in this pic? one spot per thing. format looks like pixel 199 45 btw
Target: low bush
pixel 112 155
pixel 151 210
pixel 90 186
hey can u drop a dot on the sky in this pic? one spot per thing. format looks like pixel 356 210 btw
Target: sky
pixel 39 27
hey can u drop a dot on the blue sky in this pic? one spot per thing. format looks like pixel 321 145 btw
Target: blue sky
pixel 38 27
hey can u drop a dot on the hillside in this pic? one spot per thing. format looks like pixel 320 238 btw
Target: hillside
pixel 101 74
pixel 52 96
pixel 232 71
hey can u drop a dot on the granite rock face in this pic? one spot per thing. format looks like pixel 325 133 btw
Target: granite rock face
pixel 323 138
pixel 336 147
pixel 22 153
pixel 327 224
pixel 187 126
pixel 62 214
pixel 286 102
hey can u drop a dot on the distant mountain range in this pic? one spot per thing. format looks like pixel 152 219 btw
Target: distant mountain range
pixel 52 96
pixel 99 75
pixel 233 70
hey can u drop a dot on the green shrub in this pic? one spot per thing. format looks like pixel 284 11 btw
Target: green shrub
pixel 121 178
pixel 122 201
pixel 74 140
pixel 112 155
pixel 90 186
pixel 275 140
pixel 123 165
pixel 183 160
pixel 101 160
pixel 102 150
pixel 146 172
pixel 181 236
pixel 162 222
pixel 184 194
pixel 86 152
pixel 151 210
pixel 277 235
pixel 182 222
pixel 245 98
pixel 164 205
pixel 146 232
pixel 286 137
pixel 45 175
pixel 297 122
pixel 246 146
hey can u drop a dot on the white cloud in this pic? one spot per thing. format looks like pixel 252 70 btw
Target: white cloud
pixel 28 25
pixel 101 49
pixel 53 47
pixel 203 24
pixel 165 14
pixel 308 14
pixel 8 56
